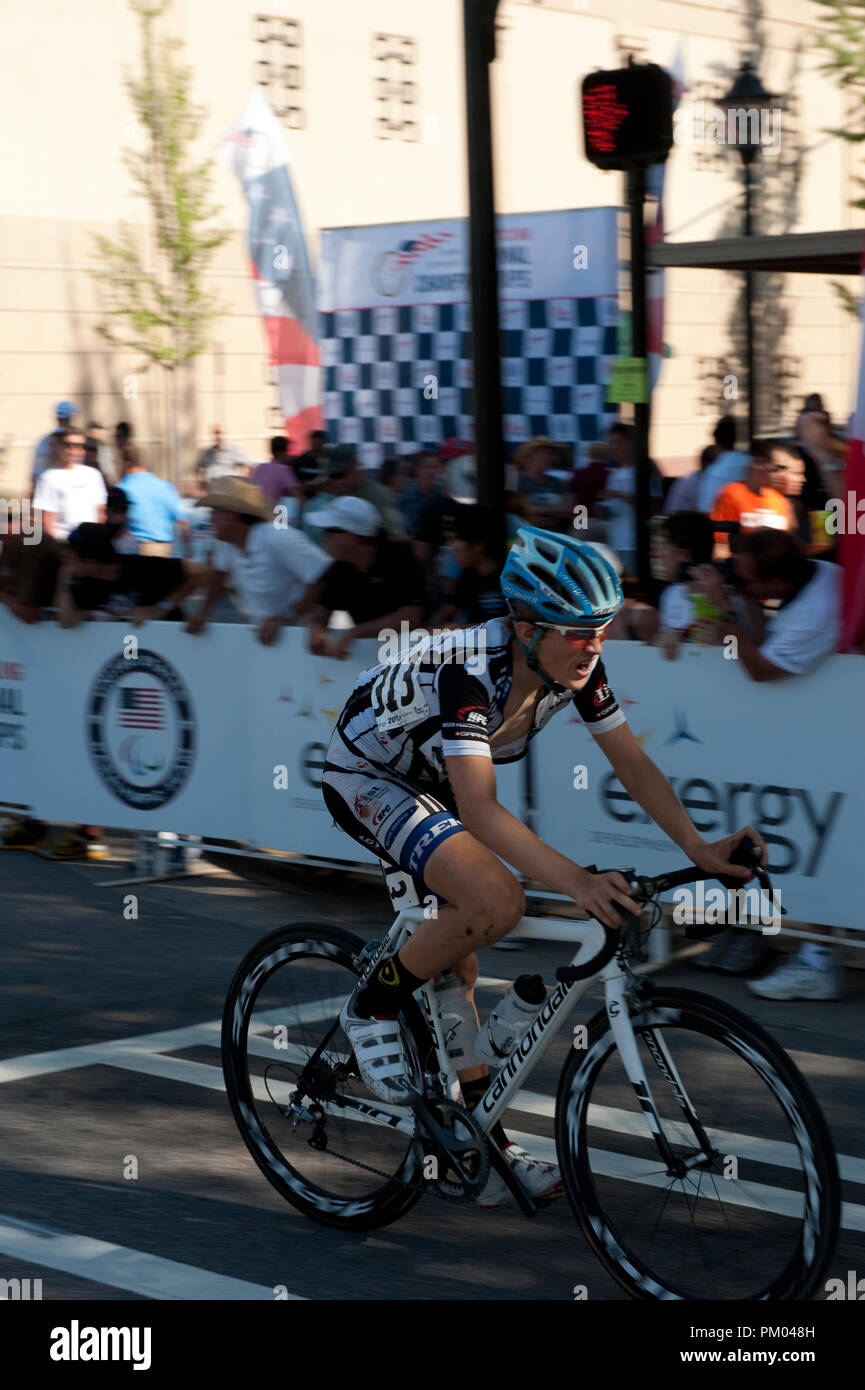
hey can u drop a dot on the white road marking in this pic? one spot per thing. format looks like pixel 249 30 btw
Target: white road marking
pixel 122 1268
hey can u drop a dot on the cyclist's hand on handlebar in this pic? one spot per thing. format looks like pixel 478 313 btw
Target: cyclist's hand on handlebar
pixel 605 896
pixel 715 858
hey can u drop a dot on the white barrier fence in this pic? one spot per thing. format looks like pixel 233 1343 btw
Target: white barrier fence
pixel 218 736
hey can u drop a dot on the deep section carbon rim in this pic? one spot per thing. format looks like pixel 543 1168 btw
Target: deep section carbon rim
pixel 749 1206
pixel 288 1069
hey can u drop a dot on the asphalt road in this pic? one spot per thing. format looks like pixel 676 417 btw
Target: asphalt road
pixel 123 1175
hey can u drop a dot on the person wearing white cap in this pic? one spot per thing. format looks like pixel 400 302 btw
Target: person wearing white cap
pixel 376 580
pixel 276 568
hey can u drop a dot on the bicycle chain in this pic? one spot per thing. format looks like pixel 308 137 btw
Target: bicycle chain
pixel 433 1187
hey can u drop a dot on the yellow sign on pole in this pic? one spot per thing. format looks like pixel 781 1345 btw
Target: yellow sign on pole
pixel 628 380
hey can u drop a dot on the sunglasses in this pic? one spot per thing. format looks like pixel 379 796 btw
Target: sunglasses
pixel 577 637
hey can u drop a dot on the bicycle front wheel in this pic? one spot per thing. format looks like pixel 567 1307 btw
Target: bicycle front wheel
pixel 291 1077
pixel 748 1208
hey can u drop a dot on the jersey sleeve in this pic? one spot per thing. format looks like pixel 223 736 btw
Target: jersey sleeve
pixel 464 706
pixel 596 704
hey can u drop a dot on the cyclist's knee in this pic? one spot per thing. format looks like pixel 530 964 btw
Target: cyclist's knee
pixel 500 909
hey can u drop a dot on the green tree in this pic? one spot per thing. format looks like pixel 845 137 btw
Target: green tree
pixel 156 304
pixel 843 42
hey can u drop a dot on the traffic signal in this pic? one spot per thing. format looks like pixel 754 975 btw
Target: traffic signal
pixel 627 116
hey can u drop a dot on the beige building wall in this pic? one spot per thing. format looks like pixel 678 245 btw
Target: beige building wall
pixel 68 121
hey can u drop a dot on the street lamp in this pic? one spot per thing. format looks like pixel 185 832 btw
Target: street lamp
pixel 743 108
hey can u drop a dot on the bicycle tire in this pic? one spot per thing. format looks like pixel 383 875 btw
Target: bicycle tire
pixel 721 1022
pixel 400 1192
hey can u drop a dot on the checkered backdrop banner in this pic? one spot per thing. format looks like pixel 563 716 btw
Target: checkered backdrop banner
pixel 396 331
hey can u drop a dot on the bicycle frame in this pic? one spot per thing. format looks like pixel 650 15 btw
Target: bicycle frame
pixel 551 1018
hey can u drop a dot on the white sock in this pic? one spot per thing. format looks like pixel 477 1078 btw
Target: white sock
pixel 817 956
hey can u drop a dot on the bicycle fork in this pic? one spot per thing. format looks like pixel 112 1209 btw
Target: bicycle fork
pixel 618 1013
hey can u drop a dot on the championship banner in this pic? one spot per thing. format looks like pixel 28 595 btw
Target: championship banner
pixel 396 331
pixel 217 735
pixel 256 151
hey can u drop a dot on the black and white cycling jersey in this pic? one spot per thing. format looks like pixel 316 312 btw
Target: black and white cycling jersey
pixel 448 700
pixel 385 781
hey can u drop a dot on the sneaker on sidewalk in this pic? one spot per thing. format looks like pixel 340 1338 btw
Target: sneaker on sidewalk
pixel 542 1180
pixel 380 1053
pixel 795 980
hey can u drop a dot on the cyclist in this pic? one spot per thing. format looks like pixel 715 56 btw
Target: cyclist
pixel 410 774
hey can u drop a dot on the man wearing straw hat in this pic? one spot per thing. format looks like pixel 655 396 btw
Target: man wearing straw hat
pixel 276 569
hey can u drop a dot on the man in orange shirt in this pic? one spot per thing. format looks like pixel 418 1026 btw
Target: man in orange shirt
pixel 754 503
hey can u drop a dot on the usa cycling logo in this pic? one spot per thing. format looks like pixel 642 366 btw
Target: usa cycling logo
pixel 140 730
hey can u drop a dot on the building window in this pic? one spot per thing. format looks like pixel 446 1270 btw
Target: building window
pixel 278 65
pixel 395 87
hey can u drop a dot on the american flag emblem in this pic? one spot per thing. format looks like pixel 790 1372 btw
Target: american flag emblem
pixel 408 251
pixel 140 708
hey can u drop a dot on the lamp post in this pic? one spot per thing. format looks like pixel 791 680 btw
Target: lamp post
pixel 743 106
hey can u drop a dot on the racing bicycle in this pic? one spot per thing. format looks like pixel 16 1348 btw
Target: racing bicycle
pixel 693 1152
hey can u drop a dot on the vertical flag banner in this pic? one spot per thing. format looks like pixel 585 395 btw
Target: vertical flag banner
pixel 654 236
pixel 255 150
pixel 852 544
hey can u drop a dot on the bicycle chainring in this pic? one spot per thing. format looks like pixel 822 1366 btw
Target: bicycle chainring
pixel 452 1150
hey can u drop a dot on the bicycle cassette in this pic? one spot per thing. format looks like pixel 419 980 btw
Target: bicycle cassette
pixel 452 1149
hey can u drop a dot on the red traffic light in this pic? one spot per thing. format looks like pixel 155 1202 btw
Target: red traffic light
pixel 627 116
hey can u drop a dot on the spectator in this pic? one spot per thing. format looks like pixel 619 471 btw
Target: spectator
pixel 679 543
pixel 393 477
pixel 730 465
pixel 342 477
pixel 117 517
pixel 156 509
pixel 619 495
pixel 122 436
pixel 477 595
pixel 684 492
pixel 424 483
pixel 312 461
pixel 277 478
pixel 28 572
pixel 276 569
pixel 71 493
pixel 586 486
pixel 374 579
pixel 753 503
pixel 825 453
pixel 222 459
pixel 45 452
pixel 772 564
pixel 96 582
pixel 104 459
pixel 790 480
pixel 550 505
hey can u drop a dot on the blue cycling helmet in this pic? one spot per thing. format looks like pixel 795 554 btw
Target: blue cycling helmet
pixel 562 580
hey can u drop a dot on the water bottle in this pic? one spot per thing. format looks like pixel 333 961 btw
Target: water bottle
pixel 508 1024
pixel 458 1018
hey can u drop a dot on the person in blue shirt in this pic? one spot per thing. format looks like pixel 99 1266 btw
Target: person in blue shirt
pixel 156 511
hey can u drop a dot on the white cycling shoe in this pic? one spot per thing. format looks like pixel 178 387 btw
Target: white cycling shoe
pixel 542 1180
pixel 381 1057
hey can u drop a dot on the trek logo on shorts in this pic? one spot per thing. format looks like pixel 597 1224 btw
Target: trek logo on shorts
pixel 421 848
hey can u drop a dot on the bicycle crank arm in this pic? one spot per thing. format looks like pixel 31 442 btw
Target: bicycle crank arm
pixel 526 1203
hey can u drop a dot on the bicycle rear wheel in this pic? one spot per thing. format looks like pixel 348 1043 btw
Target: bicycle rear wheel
pixel 757 1215
pixel 288 1071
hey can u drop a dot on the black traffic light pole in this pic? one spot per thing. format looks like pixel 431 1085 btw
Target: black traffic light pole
pixel 636 200
pixel 480 51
